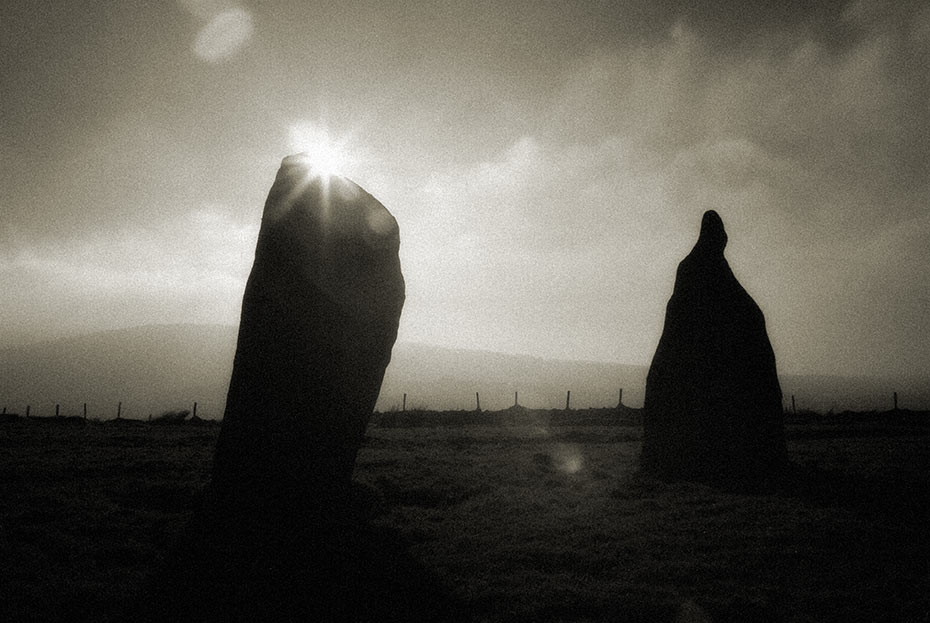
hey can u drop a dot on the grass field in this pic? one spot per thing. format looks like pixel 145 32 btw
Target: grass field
pixel 525 523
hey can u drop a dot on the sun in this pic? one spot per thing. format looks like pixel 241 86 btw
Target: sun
pixel 326 156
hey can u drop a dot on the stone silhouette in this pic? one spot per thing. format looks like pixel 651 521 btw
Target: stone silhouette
pixel 319 318
pixel 713 408
pixel 283 533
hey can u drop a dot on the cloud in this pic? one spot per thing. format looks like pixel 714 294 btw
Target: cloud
pixel 854 116
pixel 808 150
pixel 537 196
pixel 507 253
pixel 548 175
pixel 181 270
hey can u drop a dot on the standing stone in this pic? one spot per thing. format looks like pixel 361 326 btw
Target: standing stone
pixel 713 409
pixel 282 534
pixel 319 318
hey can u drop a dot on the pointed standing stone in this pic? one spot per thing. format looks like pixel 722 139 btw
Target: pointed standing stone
pixel 713 407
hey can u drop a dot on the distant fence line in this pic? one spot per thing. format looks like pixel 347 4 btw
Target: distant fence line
pixel 794 409
pixel 118 410
pixel 516 403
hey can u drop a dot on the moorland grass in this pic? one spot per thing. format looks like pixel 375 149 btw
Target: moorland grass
pixel 521 523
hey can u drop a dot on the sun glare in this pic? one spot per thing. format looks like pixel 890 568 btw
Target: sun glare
pixel 326 156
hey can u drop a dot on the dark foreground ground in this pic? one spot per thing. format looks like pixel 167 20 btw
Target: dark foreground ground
pixel 533 521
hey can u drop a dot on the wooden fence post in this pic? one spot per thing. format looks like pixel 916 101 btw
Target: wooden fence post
pixel 477 402
pixel 27 410
pixel 195 409
pixel 568 400
pixel 895 401
pixel 794 408
pixel 119 409
pixel 85 410
pixel 515 402
pixel 57 410
pixel 620 399
pixel 403 406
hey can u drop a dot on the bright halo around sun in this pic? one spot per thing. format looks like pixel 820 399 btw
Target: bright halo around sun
pixel 325 154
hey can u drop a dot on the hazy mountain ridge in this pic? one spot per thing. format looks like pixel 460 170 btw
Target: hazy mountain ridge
pixel 157 367
pixel 149 369
pixel 441 378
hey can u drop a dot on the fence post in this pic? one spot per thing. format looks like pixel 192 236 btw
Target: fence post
pixel 568 400
pixel 620 399
pixel 85 410
pixel 119 409
pixel 895 401
pixel 477 402
pixel 794 408
pixel 515 402
pixel 403 406
pixel 27 410
pixel 57 410
pixel 4 410
pixel 195 409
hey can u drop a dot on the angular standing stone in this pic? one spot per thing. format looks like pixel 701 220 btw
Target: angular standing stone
pixel 319 318
pixel 280 537
pixel 713 408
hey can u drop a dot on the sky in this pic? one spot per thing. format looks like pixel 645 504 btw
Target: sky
pixel 548 163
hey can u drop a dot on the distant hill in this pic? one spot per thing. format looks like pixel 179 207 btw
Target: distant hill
pixel 155 368
pixel 149 369
pixel 441 378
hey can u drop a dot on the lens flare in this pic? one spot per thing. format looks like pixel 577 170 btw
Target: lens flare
pixel 224 35
pixel 569 458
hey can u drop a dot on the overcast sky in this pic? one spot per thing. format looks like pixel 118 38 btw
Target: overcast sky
pixel 548 163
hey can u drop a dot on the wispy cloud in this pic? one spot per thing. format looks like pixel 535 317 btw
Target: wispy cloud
pixel 808 151
pixel 182 270
pixel 548 166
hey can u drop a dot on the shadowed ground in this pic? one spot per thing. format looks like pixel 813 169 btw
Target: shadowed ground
pixel 340 568
pixel 526 523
